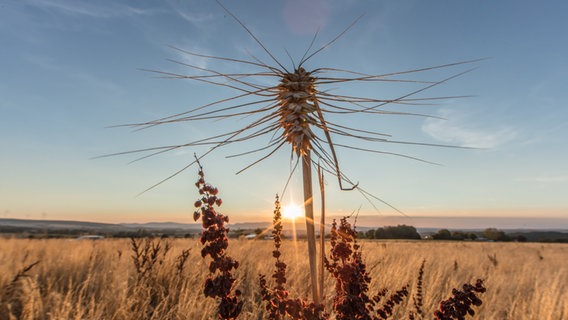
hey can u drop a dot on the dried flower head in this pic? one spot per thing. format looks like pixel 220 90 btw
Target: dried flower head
pixel 352 279
pixel 278 303
pixel 214 239
pixel 460 305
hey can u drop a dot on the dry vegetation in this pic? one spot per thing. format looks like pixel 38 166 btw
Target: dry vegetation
pixel 99 279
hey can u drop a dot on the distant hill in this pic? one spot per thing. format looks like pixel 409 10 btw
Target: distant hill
pixel 72 228
pixel 55 224
pixel 56 228
pixel 161 225
pixel 541 236
pixel 64 228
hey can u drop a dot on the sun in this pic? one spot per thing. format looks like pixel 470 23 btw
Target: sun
pixel 292 211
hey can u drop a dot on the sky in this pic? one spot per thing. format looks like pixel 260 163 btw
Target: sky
pixel 71 70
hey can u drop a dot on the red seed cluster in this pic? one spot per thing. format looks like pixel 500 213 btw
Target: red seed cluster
pixel 345 264
pixel 278 303
pixel 352 280
pixel 418 299
pixel 388 307
pixel 351 300
pixel 214 239
pixel 460 305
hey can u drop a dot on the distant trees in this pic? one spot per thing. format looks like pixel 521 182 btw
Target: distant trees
pixel 391 232
pixel 442 234
pixel 519 238
pixel 491 234
pixel 495 235
pixel 445 234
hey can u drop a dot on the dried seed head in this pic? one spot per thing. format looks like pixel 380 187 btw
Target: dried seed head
pixel 296 98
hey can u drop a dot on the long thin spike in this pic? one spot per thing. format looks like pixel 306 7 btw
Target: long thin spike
pixel 331 42
pixel 252 151
pixel 263 158
pixel 227 59
pixel 209 115
pixel 152 123
pixel 368 76
pixel 218 74
pixel 290 176
pixel 330 143
pixel 310 46
pixel 386 153
pixel 193 162
pixel 358 130
pixel 422 89
pixel 252 35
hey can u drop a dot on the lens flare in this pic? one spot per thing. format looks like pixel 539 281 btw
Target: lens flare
pixel 292 211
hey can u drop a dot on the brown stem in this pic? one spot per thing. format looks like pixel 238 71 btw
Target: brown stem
pixel 310 229
pixel 322 232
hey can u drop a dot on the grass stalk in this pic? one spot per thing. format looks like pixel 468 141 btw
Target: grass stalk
pixel 322 233
pixel 310 229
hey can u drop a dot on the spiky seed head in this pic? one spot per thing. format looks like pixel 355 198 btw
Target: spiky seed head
pixel 296 99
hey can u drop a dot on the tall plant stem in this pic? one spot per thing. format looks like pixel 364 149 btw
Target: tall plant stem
pixel 309 213
pixel 322 231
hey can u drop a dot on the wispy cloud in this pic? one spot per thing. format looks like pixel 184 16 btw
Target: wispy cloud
pixel 457 129
pixel 193 18
pixel 552 179
pixel 193 12
pixel 90 9
pixel 78 75
pixel 187 60
pixel 546 179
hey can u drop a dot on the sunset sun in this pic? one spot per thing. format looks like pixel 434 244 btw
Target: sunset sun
pixel 292 211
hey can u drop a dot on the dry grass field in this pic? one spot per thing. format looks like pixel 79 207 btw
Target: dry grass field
pixel 99 279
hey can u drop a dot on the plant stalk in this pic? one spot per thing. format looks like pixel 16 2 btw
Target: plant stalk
pixel 310 229
pixel 322 232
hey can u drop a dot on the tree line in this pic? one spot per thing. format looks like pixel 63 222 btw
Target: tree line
pixel 409 232
pixel 401 231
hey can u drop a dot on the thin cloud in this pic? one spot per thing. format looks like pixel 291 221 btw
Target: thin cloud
pixel 195 19
pixel 84 8
pixel 458 130
pixel 83 76
pixel 552 179
pixel 193 12
pixel 190 60
pixel 546 179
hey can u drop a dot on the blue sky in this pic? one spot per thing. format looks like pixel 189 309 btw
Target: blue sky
pixel 70 69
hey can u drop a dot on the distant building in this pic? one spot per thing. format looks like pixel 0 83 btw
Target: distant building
pixel 90 237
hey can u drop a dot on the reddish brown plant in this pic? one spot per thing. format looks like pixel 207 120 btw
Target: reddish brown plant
pixel 278 303
pixel 460 305
pixel 220 282
pixel 352 280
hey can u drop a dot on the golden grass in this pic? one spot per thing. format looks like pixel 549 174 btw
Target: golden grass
pixel 98 280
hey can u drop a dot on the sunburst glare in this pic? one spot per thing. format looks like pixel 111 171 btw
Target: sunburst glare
pixel 292 211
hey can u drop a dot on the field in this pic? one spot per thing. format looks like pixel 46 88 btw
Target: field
pixel 99 279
